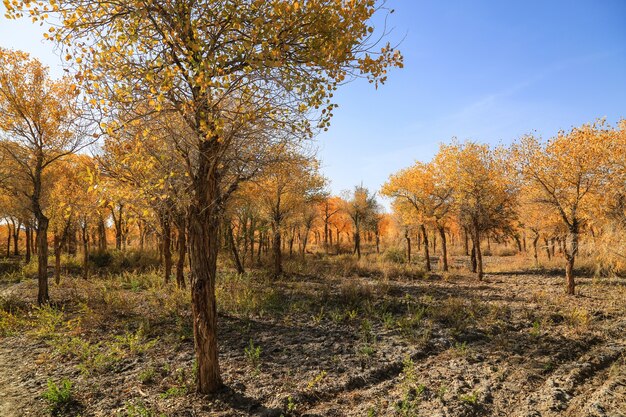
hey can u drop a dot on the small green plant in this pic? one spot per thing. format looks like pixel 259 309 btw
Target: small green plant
pixel 536 330
pixel 317 318
pixel 253 353
pixel 147 375
pixel 139 409
pixel 291 404
pixel 351 314
pixel 316 380
pixel 388 320
pixel 460 349
pixel 58 396
pixel 173 392
pixel 471 398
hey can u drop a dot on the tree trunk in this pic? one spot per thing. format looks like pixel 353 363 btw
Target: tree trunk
pixel 357 244
pixel 42 259
pixel 8 240
pixel 85 239
pixel 535 254
pixel 407 236
pixel 28 232
pixel 57 243
pixel 182 251
pixel 479 255
pixel 204 240
pixel 235 252
pixel 16 238
pixel 465 242
pixel 545 241
pixel 473 257
pixel 166 242
pixel 102 235
pixel 571 250
pixel 444 248
pixel 426 251
pixel 278 261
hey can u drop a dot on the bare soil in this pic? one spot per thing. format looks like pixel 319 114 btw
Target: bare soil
pixel 511 345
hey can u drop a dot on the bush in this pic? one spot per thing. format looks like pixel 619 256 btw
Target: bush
pixel 395 255
pixel 59 397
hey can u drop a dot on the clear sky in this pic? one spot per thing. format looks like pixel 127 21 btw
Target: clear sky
pixel 483 70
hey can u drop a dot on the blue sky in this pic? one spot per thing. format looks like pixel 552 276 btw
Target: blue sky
pixel 483 70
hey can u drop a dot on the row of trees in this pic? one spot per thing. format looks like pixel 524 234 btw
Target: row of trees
pixel 570 186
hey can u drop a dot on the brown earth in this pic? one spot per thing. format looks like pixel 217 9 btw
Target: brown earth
pixel 512 345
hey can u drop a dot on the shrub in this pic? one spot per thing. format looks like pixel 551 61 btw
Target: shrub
pixel 395 255
pixel 59 396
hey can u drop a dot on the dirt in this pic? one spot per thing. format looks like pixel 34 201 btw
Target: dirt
pixel 512 345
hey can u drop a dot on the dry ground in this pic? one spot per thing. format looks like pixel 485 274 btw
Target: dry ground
pixel 351 340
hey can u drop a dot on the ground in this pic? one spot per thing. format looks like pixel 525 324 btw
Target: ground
pixel 348 340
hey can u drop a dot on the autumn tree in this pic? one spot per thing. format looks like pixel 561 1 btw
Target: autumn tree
pixel 430 194
pixel 565 175
pixel 233 71
pixel 484 192
pixel 284 189
pixel 39 125
pixel 361 206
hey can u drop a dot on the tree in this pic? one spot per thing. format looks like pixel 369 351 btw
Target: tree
pixel 430 194
pixel 39 125
pixel 565 175
pixel 233 71
pixel 361 207
pixel 285 188
pixel 483 190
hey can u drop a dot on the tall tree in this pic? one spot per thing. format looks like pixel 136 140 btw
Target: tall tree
pixel 565 175
pixel 234 71
pixel 39 124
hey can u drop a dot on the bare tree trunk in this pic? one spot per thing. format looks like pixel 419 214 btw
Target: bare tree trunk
pixel 357 243
pixel 182 251
pixel 278 261
pixel 545 241
pixel 465 242
pixel 203 227
pixel 444 248
pixel 85 239
pixel 535 254
pixel 426 251
pixel 29 231
pixel 42 258
pixel 166 243
pixel 16 238
pixel 57 243
pixel 407 236
pixel 8 239
pixel 479 255
pixel 235 252
pixel 102 234
pixel 571 250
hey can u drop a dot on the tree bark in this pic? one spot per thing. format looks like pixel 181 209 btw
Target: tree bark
pixel 571 250
pixel 407 236
pixel 203 228
pixel 235 252
pixel 278 261
pixel 57 243
pixel 535 254
pixel 182 251
pixel 43 296
pixel 426 250
pixel 479 255
pixel 166 242
pixel 85 240
pixel 28 232
pixel 444 248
